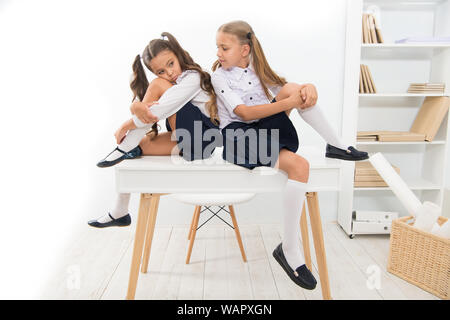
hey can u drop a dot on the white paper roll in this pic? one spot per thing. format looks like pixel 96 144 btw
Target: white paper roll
pixel 427 216
pixel 396 183
pixel 444 230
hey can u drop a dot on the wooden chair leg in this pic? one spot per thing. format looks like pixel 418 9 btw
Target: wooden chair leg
pixel 144 207
pixel 192 223
pixel 305 237
pixel 194 231
pixel 238 234
pixel 150 230
pixel 316 227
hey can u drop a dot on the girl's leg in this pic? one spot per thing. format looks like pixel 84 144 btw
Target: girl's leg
pixel 161 145
pixel 294 194
pixel 156 88
pixel 313 116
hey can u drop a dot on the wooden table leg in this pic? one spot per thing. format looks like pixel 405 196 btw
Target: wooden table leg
pixel 305 238
pixel 144 207
pixel 192 222
pixel 194 231
pixel 316 227
pixel 238 234
pixel 150 231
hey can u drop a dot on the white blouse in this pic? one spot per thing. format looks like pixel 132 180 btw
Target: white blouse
pixel 236 86
pixel 187 89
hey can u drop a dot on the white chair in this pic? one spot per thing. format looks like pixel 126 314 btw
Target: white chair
pixel 207 200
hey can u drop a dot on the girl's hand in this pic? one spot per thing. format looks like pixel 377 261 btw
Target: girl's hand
pixel 141 110
pixel 120 134
pixel 294 101
pixel 309 95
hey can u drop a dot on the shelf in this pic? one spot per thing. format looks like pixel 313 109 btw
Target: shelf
pixel 407 51
pixel 378 143
pixel 401 95
pixel 413 184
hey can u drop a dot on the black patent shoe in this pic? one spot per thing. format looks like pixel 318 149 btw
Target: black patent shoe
pixel 120 222
pixel 301 276
pixel 132 154
pixel 351 154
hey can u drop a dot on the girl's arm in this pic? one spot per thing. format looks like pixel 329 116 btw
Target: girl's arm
pixel 265 110
pixel 174 98
pixel 124 128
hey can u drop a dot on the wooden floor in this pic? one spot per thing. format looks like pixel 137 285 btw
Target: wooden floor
pixel 97 266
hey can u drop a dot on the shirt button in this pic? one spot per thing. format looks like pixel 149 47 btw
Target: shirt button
pixel 249 82
pixel 222 91
pixel 245 71
pixel 251 98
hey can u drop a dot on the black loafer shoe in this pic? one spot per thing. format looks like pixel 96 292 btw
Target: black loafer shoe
pixel 132 154
pixel 351 154
pixel 120 222
pixel 301 276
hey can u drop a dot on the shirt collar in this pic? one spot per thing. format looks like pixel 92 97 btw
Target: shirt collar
pixel 238 72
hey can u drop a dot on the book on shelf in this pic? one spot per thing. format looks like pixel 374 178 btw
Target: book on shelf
pixel 366 83
pixel 389 136
pixel 367 176
pixel 424 128
pixel 371 32
pixel 430 116
pixel 426 88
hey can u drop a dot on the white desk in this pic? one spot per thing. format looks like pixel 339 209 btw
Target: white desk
pixel 153 176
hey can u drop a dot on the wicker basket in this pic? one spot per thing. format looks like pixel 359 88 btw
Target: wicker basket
pixel 420 258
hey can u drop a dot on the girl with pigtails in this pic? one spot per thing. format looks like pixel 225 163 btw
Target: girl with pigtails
pixel 182 94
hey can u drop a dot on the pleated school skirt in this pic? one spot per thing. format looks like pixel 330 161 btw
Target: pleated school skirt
pixel 191 124
pixel 255 145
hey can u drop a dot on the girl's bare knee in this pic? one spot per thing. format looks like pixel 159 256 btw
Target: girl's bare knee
pixel 160 84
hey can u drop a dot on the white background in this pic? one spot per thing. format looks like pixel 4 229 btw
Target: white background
pixel 65 68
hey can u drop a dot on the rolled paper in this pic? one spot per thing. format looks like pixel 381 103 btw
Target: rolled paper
pixel 427 216
pixel 444 230
pixel 396 183
pixel 436 229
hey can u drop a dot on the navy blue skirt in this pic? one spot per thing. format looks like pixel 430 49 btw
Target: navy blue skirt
pixel 255 145
pixel 197 136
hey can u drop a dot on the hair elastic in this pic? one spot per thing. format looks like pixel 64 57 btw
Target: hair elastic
pixel 249 35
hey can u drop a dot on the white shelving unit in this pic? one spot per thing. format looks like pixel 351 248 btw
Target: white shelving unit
pixel 423 165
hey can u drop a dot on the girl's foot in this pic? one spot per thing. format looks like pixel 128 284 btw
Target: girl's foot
pixel 109 221
pixel 118 155
pixel 351 154
pixel 301 276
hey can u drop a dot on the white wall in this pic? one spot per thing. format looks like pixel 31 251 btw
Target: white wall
pixel 65 69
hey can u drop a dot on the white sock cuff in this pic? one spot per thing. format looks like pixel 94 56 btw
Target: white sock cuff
pixel 297 184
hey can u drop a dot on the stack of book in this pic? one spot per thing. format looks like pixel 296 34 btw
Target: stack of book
pixel 366 83
pixel 367 176
pixel 389 136
pixel 371 32
pixel 424 128
pixel 426 88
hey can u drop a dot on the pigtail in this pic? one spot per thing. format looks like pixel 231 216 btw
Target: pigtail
pixel 139 85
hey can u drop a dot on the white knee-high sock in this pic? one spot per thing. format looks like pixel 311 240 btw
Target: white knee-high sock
pixel 119 210
pixel 293 199
pixel 130 141
pixel 317 120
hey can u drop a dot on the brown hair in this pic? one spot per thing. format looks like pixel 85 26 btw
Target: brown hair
pixel 245 34
pixel 140 83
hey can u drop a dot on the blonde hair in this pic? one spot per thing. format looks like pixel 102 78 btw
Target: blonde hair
pixel 245 34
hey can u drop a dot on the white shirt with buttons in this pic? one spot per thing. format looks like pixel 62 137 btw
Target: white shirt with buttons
pixel 187 89
pixel 236 86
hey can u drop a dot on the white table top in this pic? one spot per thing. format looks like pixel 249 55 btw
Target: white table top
pixel 173 174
